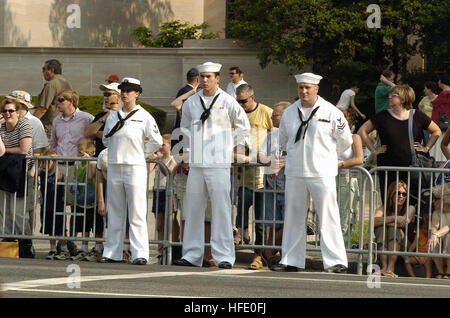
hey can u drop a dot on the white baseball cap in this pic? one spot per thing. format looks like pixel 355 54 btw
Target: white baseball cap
pixel 110 87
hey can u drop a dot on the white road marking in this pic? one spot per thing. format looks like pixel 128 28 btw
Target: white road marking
pixel 31 285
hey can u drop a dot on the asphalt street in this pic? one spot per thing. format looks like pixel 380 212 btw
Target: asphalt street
pixel 27 278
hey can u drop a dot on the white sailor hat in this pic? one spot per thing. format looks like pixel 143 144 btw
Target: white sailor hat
pixel 209 67
pixel 308 78
pixel 130 83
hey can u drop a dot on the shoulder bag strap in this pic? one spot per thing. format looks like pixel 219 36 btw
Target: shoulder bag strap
pixel 410 134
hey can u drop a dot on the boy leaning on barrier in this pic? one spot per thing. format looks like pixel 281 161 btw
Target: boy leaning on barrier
pixel 51 216
pixel 85 219
pixel 159 194
pixel 271 155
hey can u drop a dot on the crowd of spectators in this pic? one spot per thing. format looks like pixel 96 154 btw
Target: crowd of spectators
pixel 122 141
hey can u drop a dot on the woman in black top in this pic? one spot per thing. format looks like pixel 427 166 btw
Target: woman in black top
pixel 392 127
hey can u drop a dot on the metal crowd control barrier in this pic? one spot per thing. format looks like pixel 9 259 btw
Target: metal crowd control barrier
pixel 421 197
pixel 16 213
pixel 48 202
pixel 365 206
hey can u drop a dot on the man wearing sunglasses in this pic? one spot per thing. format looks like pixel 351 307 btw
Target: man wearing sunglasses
pixel 47 108
pixel 259 116
pixel 237 78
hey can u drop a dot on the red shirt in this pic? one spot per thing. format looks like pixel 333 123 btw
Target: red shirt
pixel 441 105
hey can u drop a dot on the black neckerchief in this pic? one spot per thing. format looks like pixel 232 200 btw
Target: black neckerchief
pixel 207 111
pixel 120 123
pixel 304 123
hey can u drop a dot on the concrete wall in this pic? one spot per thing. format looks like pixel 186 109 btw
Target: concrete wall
pixel 161 71
pixel 97 23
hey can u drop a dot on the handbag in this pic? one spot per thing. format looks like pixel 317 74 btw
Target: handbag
pixel 443 122
pixel 9 249
pixel 418 160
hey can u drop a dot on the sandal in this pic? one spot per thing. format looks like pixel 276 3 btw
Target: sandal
pixel 389 274
pixel 256 264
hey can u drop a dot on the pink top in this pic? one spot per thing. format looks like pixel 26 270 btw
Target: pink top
pixel 441 105
pixel 68 131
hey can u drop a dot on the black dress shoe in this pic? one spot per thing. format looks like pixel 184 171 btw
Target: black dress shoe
pixel 283 268
pixel 225 265
pixel 182 262
pixel 108 260
pixel 339 268
pixel 140 261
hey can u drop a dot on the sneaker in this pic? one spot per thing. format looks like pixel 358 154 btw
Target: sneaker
pixel 92 256
pixel 79 256
pixel 126 256
pixel 64 255
pixel 72 247
pixel 51 255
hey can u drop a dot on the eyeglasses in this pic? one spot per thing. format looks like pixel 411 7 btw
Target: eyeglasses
pixel 401 194
pixel 242 101
pixel 61 99
pixel 107 94
pixel 8 111
pixel 394 95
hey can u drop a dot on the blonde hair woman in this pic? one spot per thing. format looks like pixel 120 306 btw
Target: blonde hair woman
pixel 392 127
pixel 390 228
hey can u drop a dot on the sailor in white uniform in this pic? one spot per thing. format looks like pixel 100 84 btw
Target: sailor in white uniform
pixel 313 132
pixel 131 135
pixel 208 120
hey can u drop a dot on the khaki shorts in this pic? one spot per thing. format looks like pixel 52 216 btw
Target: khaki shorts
pixel 180 195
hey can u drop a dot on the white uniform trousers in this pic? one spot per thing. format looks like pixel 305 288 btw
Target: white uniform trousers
pixel 323 194
pixel 127 188
pixel 214 182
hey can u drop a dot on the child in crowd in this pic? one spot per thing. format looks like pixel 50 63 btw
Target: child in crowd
pixel 159 193
pixel 420 241
pixel 85 220
pixel 52 211
pixel 102 174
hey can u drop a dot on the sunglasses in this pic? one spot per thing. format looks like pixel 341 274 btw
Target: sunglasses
pixel 113 103
pixel 401 194
pixel 394 95
pixel 232 73
pixel 8 111
pixel 107 94
pixel 242 101
pixel 61 99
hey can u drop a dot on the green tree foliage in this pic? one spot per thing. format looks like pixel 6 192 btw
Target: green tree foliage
pixel 334 38
pixel 172 34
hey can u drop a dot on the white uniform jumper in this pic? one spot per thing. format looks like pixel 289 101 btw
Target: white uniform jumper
pixel 210 149
pixel 127 181
pixel 311 166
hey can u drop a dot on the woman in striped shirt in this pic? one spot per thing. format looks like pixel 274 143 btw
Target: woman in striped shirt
pixel 16 134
